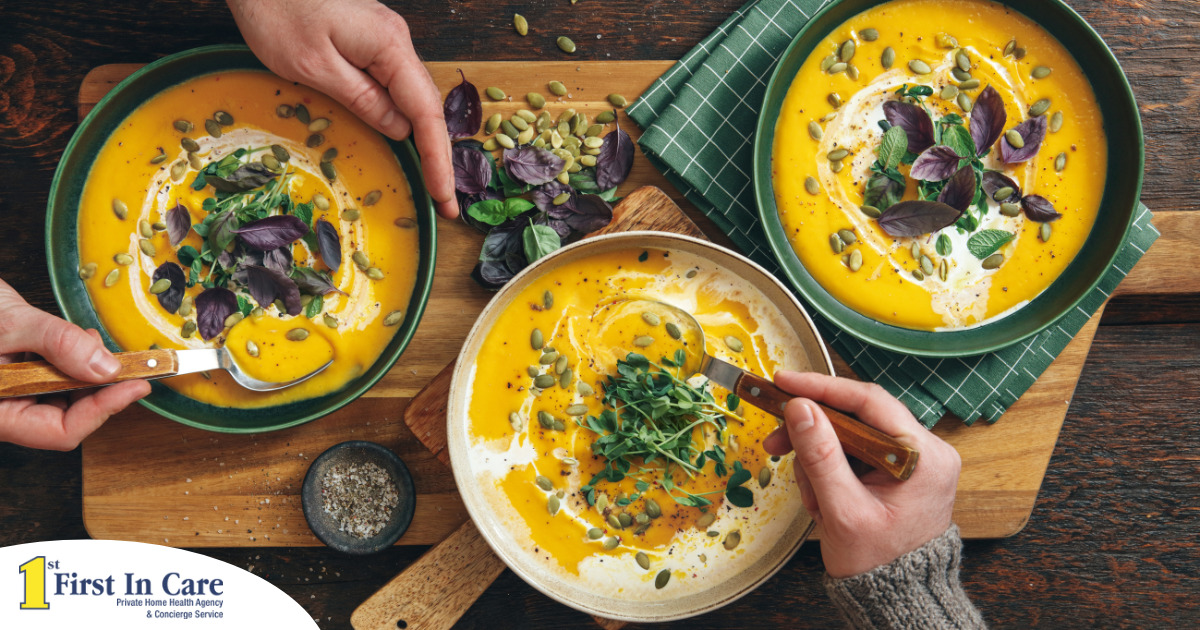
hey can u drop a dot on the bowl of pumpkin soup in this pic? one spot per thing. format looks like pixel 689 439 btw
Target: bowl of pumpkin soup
pixel 206 202
pixel 599 469
pixel 946 178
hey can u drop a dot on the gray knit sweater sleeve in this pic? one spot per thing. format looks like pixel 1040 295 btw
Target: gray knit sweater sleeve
pixel 917 590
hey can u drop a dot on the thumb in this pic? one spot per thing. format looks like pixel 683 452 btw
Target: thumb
pixel 363 96
pixel 65 345
pixel 819 454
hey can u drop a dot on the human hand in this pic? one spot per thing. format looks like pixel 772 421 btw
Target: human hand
pixel 871 520
pixel 359 52
pixel 61 422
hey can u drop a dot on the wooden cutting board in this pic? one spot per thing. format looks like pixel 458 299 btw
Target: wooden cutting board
pixel 149 479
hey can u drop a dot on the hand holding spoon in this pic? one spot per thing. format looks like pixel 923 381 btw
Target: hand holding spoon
pixel 868 444
pixel 34 378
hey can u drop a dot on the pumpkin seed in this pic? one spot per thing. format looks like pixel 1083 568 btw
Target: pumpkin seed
pixel 856 260
pixel 515 421
pixel 112 277
pixel 566 45
pixel 601 503
pixel 147 247
pixel 706 519
pixel 120 209
pixel 815 131
pixel 617 100
pixel 969 84
pixel 918 275
pixel 595 533
pixel 887 58
pixel 643 341
pixel 270 162
pixel 949 92
pixel 1014 138
pixel 691 273
pixel 1040 107
pixel 852 72
pixel 828 62
pixel 189 145
pixel 314 140
pixel 944 269
pixel 945 40
pixel 869 34
pixel 733 539
pixel 393 318
pixel 189 327
pixel 223 118
pixel 548 358
pixel 642 560
pixel 625 519
pixel 1044 232
pixel 734 343
pixel 518 123
pixel 834 99
pixel 614 522
pixel 546 420
pixel 88 271
pixel 564 179
pixel 506 141
pixel 584 389
pixel 525 136
pixel 544 381
pixel 495 93
pixel 1010 209
pixel 296 334
pixel 577 409
pixel 836 243
pixel 838 67
pixel 610 543
pixel 236 317
pixel 375 273
pixel 673 330
pixel 490 144
pixel 919 67
pixel 186 306
pixel 916 251
pixel 847 236
pixel 812 186
pixel 329 320
pixel 964 102
pixel 605 117
pixel 1010 46
pixel 1002 194
pixel 1019 53
pixel 160 158
pixel 160 286
pixel 552 504
pixel 836 167
pixel 651 318
pixel 182 126
pixel 493 123
pixel 533 371
pixel 593 142
pixel 177 170
pixel 837 154
pixel 213 128
pixel 870 211
pixel 194 161
pixel 329 155
pixel 1041 72
pixel 328 170
pixel 521 24
pixel 662 578
pixel 405 222
pixel 1060 162
pixel 360 259
pixel 302 113
pixel 544 483
pixel 764 477
pixel 993 261
pixel 959 75
pixel 557 88
pixel 560 365
pixel 1056 122
pixel 927 265
pixel 963 61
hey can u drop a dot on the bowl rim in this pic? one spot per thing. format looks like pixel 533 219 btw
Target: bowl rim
pixel 422 288
pixel 477 506
pixel 800 278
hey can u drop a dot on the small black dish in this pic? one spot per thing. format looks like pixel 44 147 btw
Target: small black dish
pixel 323 524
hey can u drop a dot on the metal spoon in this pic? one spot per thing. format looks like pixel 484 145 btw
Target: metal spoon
pixel 866 443
pixel 39 377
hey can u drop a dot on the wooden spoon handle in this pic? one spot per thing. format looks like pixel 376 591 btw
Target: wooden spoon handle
pixel 39 377
pixel 435 591
pixel 868 444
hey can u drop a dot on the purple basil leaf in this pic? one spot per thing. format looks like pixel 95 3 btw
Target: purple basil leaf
pixel 313 282
pixel 995 180
pixel 222 231
pixel 914 121
pixel 987 120
pixel 212 307
pixel 272 232
pixel 959 191
pixel 935 164
pixel 1039 209
pixel 917 218
pixel 532 165
pixel 267 285
pixel 245 177
pixel 179 221
pixel 543 198
pixel 472 170
pixel 329 242
pixel 1033 131
pixel 591 214
pixel 462 110
pixel 492 275
pixel 278 259
pixel 615 159
pixel 172 297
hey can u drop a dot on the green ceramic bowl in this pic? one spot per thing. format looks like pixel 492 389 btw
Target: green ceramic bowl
pixel 1126 157
pixel 63 256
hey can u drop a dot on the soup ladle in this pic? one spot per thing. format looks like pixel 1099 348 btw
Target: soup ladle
pixel 871 446
pixel 34 378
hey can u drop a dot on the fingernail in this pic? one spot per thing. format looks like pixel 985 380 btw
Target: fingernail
pixel 799 414
pixel 104 363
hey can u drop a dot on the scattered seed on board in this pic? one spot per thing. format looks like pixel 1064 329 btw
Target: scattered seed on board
pixel 812 185
pixel 734 343
pixel 557 88
pixel 506 141
pixel 521 24
pixel 565 44
pixel 617 100
pixel 495 93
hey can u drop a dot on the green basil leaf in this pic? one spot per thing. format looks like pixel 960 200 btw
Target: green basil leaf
pixel 944 246
pixel 489 211
pixel 314 306
pixel 539 240
pixel 893 148
pixel 985 242
pixel 958 138
pixel 517 206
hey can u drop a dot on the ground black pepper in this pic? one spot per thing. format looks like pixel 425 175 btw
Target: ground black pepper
pixel 360 497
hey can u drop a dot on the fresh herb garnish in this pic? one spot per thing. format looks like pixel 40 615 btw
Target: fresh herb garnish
pixel 984 243
pixel 648 431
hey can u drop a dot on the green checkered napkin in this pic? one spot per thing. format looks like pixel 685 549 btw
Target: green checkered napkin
pixel 699 120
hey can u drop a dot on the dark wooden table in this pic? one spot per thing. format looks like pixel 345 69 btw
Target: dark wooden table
pixel 1113 540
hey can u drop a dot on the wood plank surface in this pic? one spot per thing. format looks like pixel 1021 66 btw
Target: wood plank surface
pixel 1003 464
